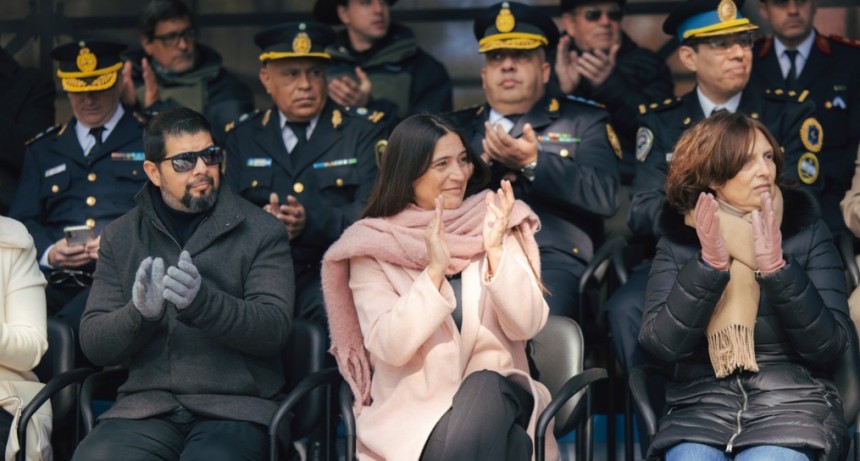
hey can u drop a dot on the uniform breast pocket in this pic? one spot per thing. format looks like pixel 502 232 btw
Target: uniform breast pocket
pixel 338 184
pixel 255 183
pixel 125 170
pixel 55 186
pixel 834 120
pixel 562 149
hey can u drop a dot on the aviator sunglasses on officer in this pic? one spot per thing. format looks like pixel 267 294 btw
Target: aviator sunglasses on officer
pixel 593 14
pixel 186 161
pixel 722 43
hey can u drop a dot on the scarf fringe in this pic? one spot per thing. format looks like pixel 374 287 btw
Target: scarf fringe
pixel 732 348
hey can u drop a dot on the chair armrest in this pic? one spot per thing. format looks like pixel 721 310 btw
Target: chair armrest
pixel 345 400
pixel 104 379
pixel 638 383
pixel 570 388
pixel 306 385
pixel 56 384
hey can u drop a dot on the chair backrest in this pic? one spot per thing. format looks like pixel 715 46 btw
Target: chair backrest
pixel 557 352
pixel 303 355
pixel 847 377
pixel 59 358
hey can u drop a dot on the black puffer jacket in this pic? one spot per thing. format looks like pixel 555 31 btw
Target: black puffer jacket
pixel 801 328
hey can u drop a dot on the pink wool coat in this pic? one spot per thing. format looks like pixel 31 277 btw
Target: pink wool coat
pixel 418 356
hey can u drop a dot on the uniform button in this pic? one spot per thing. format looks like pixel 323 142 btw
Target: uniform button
pixel 255 183
pixel 134 172
pixel 575 250
pixel 339 182
pixel 754 115
pixel 91 177
pixel 564 153
pixel 828 105
pixel 91 223
pixel 91 201
pixel 298 187
pixel 55 188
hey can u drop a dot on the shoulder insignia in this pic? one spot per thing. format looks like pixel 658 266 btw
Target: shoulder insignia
pixel 803 96
pixel 376 116
pixel 241 119
pixel 553 105
pixel 336 118
pixel 812 135
pixel 848 41
pixel 613 141
pixel 659 106
pixel 644 142
pixel 808 168
pixel 139 117
pixel 642 108
pixel 46 132
pixel 266 117
pixel 480 110
pixel 589 102
pixel 62 130
pixel 765 47
pixel 822 43
pixel 379 150
pixel 780 94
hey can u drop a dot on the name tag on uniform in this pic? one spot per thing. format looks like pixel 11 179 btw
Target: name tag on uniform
pixel 264 162
pixel 128 156
pixel 55 170
pixel 334 163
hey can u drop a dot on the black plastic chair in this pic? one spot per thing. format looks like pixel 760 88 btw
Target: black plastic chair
pixel 56 371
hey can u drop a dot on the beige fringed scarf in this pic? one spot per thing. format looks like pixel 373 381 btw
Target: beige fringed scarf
pixel 730 330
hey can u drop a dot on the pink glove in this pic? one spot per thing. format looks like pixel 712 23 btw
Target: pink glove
pixel 714 250
pixel 768 238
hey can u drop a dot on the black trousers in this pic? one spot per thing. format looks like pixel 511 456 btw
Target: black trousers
pixel 487 421
pixel 177 436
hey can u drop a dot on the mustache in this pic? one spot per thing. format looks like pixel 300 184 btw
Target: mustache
pixel 204 179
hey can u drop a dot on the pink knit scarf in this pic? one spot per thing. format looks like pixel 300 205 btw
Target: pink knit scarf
pixel 399 240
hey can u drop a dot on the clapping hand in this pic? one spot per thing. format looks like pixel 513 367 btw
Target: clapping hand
pixel 147 291
pixel 499 207
pixel 767 237
pixel 437 246
pixel 707 219
pixel 182 282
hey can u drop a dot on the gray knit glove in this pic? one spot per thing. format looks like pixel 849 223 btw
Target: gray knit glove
pixel 182 282
pixel 147 291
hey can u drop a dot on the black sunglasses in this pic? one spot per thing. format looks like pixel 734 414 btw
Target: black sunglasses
pixel 172 39
pixel 70 278
pixel 186 161
pixel 594 14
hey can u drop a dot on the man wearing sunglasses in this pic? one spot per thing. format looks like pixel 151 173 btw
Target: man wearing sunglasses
pixel 716 46
pixel 596 60
pixel 84 173
pixel 171 69
pixel 306 159
pixel 194 294
pixel 559 154
pixel 799 58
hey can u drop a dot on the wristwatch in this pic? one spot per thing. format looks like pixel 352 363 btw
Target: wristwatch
pixel 529 170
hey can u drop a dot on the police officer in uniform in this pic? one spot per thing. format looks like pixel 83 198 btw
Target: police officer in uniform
pixel 305 160
pixel 84 173
pixel 827 67
pixel 716 44
pixel 561 155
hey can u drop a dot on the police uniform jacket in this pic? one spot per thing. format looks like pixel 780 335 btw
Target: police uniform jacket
pixel 576 180
pixel 832 77
pixel 783 114
pixel 61 187
pixel 331 176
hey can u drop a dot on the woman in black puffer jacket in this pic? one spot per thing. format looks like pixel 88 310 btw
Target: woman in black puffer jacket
pixel 748 303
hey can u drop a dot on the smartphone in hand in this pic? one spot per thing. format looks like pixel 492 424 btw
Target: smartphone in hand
pixel 77 235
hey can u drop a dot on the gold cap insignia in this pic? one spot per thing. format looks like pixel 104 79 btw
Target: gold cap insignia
pixel 812 135
pixel 727 11
pixel 302 43
pixel 87 61
pixel 505 21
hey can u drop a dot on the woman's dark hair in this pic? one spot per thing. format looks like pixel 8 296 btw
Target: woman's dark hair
pixel 407 156
pixel 711 153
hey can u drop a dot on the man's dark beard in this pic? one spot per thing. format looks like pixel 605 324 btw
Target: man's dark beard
pixel 203 203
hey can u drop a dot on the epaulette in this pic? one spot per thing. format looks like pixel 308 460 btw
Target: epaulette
pixel 848 41
pixel 371 116
pixel 45 133
pixel 585 101
pixel 659 106
pixel 242 119
pixel 780 94
pixel 141 118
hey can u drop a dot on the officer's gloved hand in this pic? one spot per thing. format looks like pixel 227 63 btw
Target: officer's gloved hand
pixel 182 282
pixel 147 293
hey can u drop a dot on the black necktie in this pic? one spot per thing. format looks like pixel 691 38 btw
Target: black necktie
pixel 97 133
pixel 300 129
pixel 718 110
pixel 791 78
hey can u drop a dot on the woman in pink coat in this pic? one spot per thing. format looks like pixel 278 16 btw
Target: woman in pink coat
pixel 431 299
